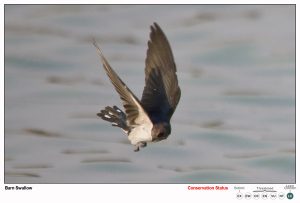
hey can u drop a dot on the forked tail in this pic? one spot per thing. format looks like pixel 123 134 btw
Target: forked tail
pixel 116 116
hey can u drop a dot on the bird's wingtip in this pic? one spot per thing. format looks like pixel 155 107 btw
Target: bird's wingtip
pixel 99 51
pixel 94 42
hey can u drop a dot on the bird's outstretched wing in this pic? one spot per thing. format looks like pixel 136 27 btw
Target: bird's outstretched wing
pixel 135 113
pixel 161 92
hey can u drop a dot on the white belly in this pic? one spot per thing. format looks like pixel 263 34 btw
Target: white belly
pixel 139 134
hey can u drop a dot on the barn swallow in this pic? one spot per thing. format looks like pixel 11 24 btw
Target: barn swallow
pixel 148 119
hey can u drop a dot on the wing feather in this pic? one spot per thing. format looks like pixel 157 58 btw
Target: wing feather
pixel 135 113
pixel 161 78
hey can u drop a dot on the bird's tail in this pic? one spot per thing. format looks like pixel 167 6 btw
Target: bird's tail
pixel 116 116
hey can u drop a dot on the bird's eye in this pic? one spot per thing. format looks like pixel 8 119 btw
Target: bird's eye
pixel 160 135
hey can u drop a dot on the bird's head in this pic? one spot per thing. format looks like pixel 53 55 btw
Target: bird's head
pixel 160 131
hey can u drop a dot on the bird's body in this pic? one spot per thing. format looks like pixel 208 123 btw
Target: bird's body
pixel 147 120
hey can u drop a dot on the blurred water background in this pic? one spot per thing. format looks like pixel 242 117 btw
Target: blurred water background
pixel 235 122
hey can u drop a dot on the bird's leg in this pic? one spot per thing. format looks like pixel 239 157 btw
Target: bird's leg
pixel 143 144
pixel 140 144
pixel 137 148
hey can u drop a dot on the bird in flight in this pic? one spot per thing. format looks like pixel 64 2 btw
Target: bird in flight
pixel 148 119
